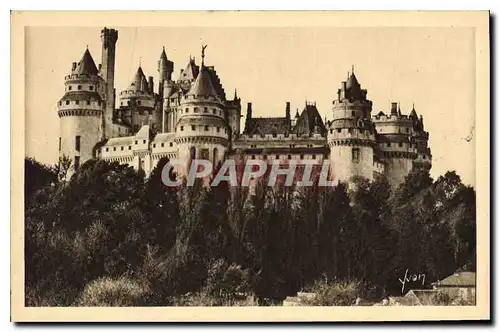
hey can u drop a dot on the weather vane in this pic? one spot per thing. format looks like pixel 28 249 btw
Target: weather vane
pixel 203 47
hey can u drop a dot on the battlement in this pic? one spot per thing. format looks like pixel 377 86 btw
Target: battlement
pixel 195 99
pixel 391 118
pixel 72 104
pixel 278 137
pixel 109 37
pixel 81 78
pixel 196 119
pixel 343 133
pixel 135 93
pixel 347 103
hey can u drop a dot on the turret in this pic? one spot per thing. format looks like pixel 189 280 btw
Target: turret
pixel 288 115
pixel 397 142
pixel 202 130
pixel 81 111
pixel 420 139
pixel 351 135
pixel 107 72
pixel 165 67
pixel 165 70
pixel 150 84
pixel 137 104
pixel 248 118
pixel 233 108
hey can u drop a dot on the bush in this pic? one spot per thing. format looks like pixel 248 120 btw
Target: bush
pixel 337 293
pixel 204 299
pixel 107 292
pixel 226 281
pixel 442 299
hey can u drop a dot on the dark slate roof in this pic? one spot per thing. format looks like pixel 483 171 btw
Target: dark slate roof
pixel 413 114
pixel 216 83
pixel 191 71
pixel 461 279
pixel 352 81
pixel 308 120
pixel 265 126
pixel 163 55
pixel 139 82
pixel 86 65
pixel 202 86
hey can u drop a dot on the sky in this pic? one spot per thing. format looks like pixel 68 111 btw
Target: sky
pixel 432 67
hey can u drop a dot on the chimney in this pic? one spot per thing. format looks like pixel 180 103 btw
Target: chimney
pixel 150 84
pixel 73 66
pixel 249 110
pixel 394 108
pixel 287 111
pixel 342 93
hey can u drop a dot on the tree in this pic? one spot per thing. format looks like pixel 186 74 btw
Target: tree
pixel 63 167
pixel 160 206
pixel 36 176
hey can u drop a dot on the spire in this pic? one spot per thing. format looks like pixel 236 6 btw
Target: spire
pixel 163 55
pixel 86 65
pixel 235 94
pixel 353 69
pixel 413 113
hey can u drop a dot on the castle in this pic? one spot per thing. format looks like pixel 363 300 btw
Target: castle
pixel 191 117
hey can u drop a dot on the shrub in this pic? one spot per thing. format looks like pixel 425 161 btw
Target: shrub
pixel 336 293
pixel 226 281
pixel 107 292
pixel 204 299
pixel 442 299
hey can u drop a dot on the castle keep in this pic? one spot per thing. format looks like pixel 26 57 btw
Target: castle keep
pixel 192 117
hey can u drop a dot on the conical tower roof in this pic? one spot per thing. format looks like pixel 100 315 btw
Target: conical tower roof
pixel 86 65
pixel 352 81
pixel 163 55
pixel 202 86
pixel 190 72
pixel 139 82
pixel 413 113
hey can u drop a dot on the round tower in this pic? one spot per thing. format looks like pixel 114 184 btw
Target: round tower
pixel 351 136
pixel 81 111
pixel 420 138
pixel 165 68
pixel 137 104
pixel 395 143
pixel 201 131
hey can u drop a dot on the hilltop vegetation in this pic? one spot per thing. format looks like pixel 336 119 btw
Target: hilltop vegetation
pixel 108 236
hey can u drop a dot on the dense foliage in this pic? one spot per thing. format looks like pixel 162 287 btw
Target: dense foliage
pixel 108 230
